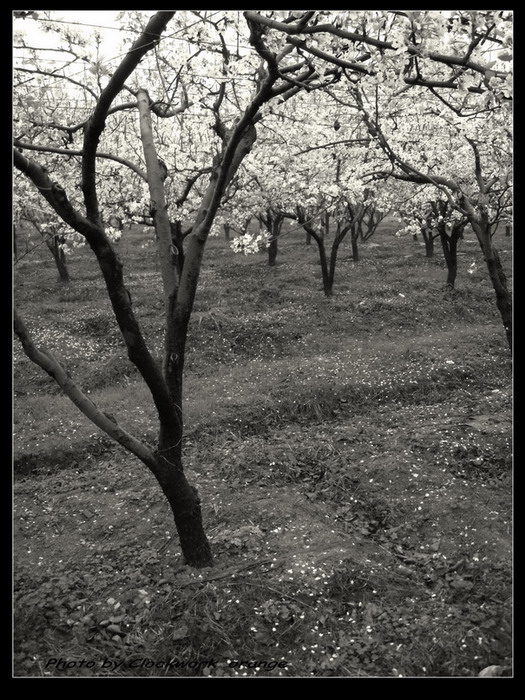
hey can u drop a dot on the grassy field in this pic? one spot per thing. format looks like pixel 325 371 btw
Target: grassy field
pixel 353 456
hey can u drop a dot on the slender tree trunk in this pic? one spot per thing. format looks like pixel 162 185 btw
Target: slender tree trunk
pixel 308 239
pixel 325 272
pixel 429 243
pixel 276 222
pixel 328 280
pixel 319 239
pixel 497 276
pixel 227 229
pixel 355 248
pixel 59 257
pixel 450 247
pixel 326 224
pixel 272 252
pixel 333 262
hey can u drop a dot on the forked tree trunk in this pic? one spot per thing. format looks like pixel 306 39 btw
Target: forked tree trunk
pixel 179 284
pixel 323 261
pixel 327 278
pixel 450 251
pixel 338 239
pixel 328 281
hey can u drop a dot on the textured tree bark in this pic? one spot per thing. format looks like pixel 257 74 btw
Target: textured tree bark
pixel 496 274
pixel 183 499
pixel 177 250
pixel 161 220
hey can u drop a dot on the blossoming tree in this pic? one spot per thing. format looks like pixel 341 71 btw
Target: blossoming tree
pixel 116 93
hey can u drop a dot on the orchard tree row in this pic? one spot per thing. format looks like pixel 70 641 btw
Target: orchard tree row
pixel 205 120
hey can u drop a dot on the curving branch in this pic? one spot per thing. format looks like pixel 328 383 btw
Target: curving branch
pixel 95 125
pixel 160 109
pixel 189 184
pixel 301 44
pixel 464 62
pixel 332 143
pixel 71 152
pixel 119 295
pixel 51 74
pixel 106 422
pixel 299 28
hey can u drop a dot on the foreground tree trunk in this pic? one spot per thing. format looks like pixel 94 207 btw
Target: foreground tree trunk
pixel 183 499
pixel 180 269
pixel 497 277
pixel 165 463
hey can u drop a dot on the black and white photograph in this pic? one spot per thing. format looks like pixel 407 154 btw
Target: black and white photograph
pixel 262 349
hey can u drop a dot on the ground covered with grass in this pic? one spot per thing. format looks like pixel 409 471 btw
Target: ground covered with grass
pixel 353 456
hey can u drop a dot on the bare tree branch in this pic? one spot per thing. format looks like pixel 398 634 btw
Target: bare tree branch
pixel 57 75
pixel 158 199
pixel 71 152
pixel 119 295
pixel 95 125
pixel 45 359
